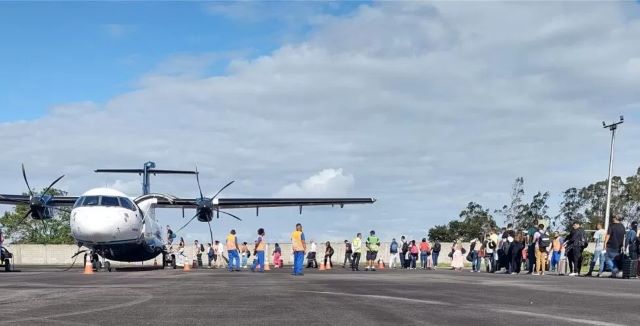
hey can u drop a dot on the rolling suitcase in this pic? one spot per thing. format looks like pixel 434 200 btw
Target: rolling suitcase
pixel 562 266
pixel 629 267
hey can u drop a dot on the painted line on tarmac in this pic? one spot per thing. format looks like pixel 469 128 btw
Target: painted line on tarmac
pixel 559 318
pixel 146 297
pixel 383 297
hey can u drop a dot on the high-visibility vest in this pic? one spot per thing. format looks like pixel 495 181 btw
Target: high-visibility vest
pixel 296 241
pixel 231 242
pixel 261 245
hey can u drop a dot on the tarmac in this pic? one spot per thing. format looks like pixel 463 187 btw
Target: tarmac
pixel 50 296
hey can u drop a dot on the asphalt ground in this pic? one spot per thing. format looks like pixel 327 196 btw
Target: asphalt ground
pixel 49 296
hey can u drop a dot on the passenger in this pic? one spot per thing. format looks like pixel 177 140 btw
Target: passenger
pixel 277 256
pixel 531 251
pixel 435 253
pixel 219 255
pixel 425 251
pixel 457 257
pixel 170 235
pixel 182 257
pixel 210 255
pixel 245 254
pixel 311 255
pixel 599 254
pixel 613 242
pixel 197 254
pixel 556 249
pixel 393 253
pixel 328 253
pixel 492 249
pixel 542 241
pixel 373 245
pixel 232 251
pixel 474 248
pixel 405 260
pixel 299 247
pixel 258 251
pixel 413 250
pixel 576 242
pixel 516 249
pixel 630 241
pixel 348 251
pixel 357 251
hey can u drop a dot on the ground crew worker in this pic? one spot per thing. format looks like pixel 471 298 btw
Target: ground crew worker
pixel 357 251
pixel 299 247
pixel 373 244
pixel 258 251
pixel 232 251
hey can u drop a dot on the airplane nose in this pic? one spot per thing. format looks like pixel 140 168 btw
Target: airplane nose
pixel 94 225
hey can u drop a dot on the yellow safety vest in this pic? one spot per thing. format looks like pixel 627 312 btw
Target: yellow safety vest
pixel 261 245
pixel 231 242
pixel 296 241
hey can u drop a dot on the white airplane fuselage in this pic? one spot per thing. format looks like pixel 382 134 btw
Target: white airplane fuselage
pixel 113 226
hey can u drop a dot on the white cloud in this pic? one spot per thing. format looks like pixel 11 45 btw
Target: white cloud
pixel 429 105
pixel 326 183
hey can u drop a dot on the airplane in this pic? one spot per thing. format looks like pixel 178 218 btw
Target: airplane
pixel 116 227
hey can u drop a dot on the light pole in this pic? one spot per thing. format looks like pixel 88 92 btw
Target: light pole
pixel 613 128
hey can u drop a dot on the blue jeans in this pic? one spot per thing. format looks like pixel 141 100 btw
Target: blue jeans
pixel 259 261
pixel 234 259
pixel 555 260
pixel 298 261
pixel 423 260
pixel 475 261
pixel 610 256
pixel 600 256
pixel 434 257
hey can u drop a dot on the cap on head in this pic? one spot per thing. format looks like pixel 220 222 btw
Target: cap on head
pixel 372 232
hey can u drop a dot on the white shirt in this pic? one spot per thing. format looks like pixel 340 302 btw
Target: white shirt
pixel 220 248
pixel 313 247
pixel 599 238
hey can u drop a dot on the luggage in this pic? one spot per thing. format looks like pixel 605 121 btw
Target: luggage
pixel 562 266
pixel 429 262
pixel 629 267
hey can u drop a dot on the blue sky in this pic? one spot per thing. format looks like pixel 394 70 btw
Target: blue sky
pixel 57 53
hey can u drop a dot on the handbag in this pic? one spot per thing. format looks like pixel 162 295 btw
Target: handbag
pixel 469 258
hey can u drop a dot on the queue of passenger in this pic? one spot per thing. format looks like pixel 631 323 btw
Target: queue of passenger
pixel 534 251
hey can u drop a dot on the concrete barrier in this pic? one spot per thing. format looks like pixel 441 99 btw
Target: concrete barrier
pixel 34 254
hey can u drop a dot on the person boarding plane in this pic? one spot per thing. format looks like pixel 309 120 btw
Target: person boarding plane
pixel 116 227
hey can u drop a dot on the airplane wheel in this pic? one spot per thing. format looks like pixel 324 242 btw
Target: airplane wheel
pixel 173 261
pixel 7 265
pixel 107 266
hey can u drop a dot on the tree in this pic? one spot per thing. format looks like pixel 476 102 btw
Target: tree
pixel 531 214
pixel 513 210
pixel 570 210
pixel 441 233
pixel 53 231
pixel 473 222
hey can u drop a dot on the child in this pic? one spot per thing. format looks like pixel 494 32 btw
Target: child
pixel 277 254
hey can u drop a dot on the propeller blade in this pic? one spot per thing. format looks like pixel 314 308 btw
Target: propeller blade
pixel 219 191
pixel 237 218
pixel 210 232
pixel 52 184
pixel 198 180
pixel 191 220
pixel 24 217
pixel 24 175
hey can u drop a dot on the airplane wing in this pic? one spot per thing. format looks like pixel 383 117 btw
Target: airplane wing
pixel 231 203
pixel 57 201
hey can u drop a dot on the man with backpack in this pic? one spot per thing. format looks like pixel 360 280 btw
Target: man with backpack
pixel 403 253
pixel 347 253
pixel 542 241
pixel 435 252
pixel 393 253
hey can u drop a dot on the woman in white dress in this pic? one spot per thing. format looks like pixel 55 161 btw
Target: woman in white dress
pixel 457 261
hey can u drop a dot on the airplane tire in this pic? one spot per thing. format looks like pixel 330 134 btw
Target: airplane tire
pixel 173 261
pixel 7 265
pixel 107 266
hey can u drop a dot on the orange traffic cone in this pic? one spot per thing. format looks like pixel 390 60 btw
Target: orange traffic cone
pixel 380 264
pixel 266 266
pixel 88 268
pixel 321 268
pixel 187 266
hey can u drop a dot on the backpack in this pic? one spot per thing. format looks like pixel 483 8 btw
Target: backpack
pixel 437 246
pixel 583 242
pixel 544 240
pixel 394 247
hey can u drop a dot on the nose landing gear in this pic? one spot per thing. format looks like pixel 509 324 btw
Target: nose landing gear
pixel 98 262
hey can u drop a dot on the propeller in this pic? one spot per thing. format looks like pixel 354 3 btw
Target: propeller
pixel 39 207
pixel 205 207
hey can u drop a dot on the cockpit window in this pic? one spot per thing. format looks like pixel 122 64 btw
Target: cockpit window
pixel 78 202
pixel 109 201
pixel 91 201
pixel 126 203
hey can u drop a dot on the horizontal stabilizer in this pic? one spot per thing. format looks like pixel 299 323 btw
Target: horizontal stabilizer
pixel 141 171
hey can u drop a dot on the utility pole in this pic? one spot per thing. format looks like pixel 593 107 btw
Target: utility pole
pixel 613 128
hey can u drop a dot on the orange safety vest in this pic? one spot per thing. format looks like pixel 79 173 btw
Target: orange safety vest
pixel 261 245
pixel 231 242
pixel 296 241
pixel 556 245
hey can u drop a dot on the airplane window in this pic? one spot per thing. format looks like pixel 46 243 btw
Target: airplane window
pixel 126 203
pixel 90 201
pixel 109 201
pixel 78 202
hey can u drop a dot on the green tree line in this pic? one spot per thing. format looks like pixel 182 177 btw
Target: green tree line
pixel 586 205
